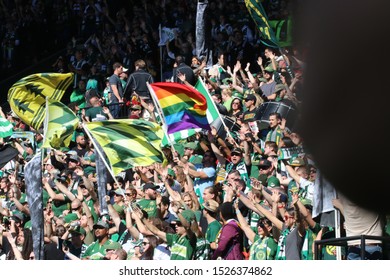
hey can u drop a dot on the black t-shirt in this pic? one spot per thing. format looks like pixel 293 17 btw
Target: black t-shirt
pixel 250 116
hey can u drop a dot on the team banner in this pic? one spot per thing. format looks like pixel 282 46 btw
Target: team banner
pixel 27 97
pixel 128 143
pixel 287 153
pixel 60 124
pixel 258 14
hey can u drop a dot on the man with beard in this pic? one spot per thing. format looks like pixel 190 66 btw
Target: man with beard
pixel 97 250
pixel 240 162
pixel 80 147
pixel 148 203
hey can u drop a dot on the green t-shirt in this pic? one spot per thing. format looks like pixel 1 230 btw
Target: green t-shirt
pixel 59 206
pixel 149 206
pixel 92 113
pixel 95 251
pixel 182 248
pixel 78 97
pixel 202 251
pixel 212 231
pixel 228 104
pixel 263 249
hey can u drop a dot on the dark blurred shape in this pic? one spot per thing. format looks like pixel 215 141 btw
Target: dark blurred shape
pixel 345 110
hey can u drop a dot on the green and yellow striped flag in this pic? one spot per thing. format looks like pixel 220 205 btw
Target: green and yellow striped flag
pixel 128 143
pixel 27 97
pixel 60 123
pixel 259 16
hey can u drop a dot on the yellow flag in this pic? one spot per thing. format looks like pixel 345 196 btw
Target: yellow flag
pixel 60 125
pixel 27 97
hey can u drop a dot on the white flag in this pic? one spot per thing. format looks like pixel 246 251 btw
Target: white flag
pixel 166 35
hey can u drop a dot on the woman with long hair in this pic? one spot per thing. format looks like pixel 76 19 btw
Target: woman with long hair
pixel 149 243
pixel 21 245
pixel 236 111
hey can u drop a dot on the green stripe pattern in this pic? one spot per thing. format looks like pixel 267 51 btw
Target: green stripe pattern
pixel 60 124
pixel 6 128
pixel 128 143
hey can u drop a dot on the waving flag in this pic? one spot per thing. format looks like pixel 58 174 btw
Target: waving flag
pixel 27 97
pixel 128 143
pixel 212 110
pixel 6 128
pixel 259 16
pixel 166 35
pixel 60 124
pixel 183 107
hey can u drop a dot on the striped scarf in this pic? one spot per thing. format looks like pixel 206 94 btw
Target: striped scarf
pixel 281 252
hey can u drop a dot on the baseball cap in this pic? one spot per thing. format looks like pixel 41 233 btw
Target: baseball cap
pixel 211 205
pixel 265 163
pixel 191 145
pixel 150 186
pixel 189 215
pixel 250 97
pixel 119 192
pixel 236 151
pixel 296 161
pixel 101 224
pixel 273 182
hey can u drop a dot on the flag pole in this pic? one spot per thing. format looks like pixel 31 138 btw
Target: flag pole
pixel 104 160
pixel 337 231
pixel 216 109
pixel 161 114
pixel 99 152
pixel 161 55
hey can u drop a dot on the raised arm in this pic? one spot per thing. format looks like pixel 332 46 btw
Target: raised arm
pixel 250 234
pixel 150 226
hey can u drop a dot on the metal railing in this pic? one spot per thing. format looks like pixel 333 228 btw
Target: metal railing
pixel 343 241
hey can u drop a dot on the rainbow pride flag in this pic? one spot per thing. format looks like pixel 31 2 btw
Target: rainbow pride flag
pixel 183 107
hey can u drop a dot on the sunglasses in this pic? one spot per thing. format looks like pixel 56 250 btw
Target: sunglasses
pixel 179 224
pixel 261 224
pixel 128 194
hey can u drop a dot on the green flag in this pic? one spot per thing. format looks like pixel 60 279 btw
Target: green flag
pixel 6 128
pixel 258 14
pixel 128 142
pixel 180 135
pixel 212 110
pixel 60 124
